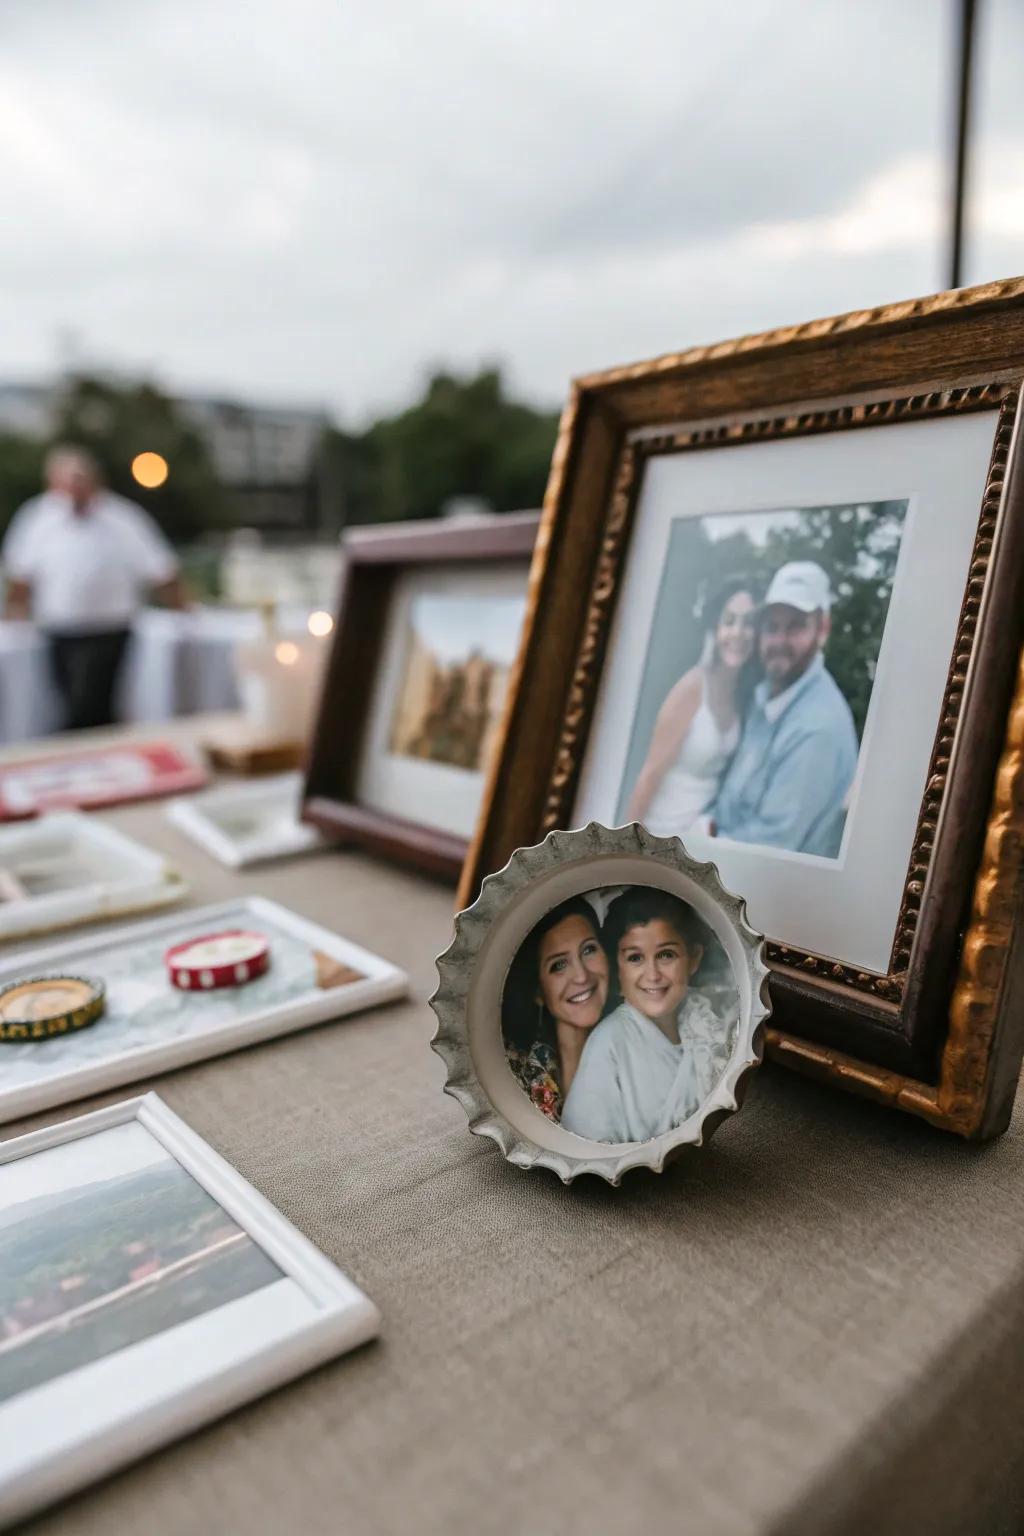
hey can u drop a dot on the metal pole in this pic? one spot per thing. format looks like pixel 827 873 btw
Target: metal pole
pixel 968 12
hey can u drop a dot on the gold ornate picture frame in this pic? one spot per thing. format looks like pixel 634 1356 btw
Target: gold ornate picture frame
pixel 934 1030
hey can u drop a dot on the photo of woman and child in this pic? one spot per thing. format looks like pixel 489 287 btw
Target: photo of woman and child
pixel 619 1013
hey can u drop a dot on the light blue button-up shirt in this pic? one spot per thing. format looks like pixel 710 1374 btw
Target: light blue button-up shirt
pixel 787 784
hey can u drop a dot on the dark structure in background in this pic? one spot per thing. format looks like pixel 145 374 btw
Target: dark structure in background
pixel 272 464
pixel 967 20
pixel 286 473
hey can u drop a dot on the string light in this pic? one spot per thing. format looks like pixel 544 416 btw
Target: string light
pixel 320 623
pixel 150 470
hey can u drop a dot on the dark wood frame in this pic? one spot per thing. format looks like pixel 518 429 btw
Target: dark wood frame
pixel 942 1032
pixel 374 558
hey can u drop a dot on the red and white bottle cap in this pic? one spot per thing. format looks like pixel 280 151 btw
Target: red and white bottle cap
pixel 227 959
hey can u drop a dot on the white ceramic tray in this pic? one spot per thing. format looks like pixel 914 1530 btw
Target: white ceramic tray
pixel 150 1026
pixel 69 868
pixel 242 824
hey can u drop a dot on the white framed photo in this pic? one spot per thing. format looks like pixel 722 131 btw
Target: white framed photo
pixel 68 868
pixel 243 824
pixel 146 1289
pixel 149 1025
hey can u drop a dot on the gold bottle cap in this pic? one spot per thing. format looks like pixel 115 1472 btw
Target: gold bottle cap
pixel 49 1005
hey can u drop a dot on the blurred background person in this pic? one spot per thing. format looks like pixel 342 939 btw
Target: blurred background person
pixel 80 561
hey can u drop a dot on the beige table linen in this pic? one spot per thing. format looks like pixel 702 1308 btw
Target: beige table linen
pixel 816 1326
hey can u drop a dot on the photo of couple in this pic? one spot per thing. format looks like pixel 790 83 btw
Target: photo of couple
pixel 759 672
pixel 619 1013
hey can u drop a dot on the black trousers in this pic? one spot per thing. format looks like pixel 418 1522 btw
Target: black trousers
pixel 85 670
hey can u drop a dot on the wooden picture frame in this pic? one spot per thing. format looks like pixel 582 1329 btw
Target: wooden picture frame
pixel 939 1031
pixel 376 562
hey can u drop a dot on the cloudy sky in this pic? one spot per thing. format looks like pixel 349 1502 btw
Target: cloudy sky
pixel 317 200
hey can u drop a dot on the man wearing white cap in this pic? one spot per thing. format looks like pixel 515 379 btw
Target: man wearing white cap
pixel 786 787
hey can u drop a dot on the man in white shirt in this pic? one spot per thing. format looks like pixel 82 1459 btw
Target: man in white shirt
pixel 80 561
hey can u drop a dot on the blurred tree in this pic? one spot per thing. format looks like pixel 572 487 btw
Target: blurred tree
pixel 465 437
pixel 116 422
pixel 21 473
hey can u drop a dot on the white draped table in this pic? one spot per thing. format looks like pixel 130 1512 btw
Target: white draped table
pixel 178 664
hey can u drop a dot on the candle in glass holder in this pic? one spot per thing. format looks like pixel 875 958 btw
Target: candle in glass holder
pixel 279 683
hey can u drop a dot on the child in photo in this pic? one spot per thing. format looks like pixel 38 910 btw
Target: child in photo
pixel 659 1053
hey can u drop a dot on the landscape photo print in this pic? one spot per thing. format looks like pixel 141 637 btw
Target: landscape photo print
pixel 459 652
pixel 106 1245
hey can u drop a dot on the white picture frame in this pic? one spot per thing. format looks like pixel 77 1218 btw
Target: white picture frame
pixel 206 819
pixel 81 1424
pixel 115 874
pixel 38 1075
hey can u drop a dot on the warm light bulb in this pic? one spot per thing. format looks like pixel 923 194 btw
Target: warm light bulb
pixel 287 652
pixel 150 470
pixel 319 623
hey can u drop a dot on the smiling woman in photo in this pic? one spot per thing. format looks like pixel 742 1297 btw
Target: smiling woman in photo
pixel 555 993
pixel 660 1052
pixel 698 726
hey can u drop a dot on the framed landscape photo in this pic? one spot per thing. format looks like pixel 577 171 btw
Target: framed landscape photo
pixel 146 1289
pixel 416 685
pixel 778 613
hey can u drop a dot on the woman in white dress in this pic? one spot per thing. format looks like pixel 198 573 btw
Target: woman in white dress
pixel 698 726
pixel 659 1054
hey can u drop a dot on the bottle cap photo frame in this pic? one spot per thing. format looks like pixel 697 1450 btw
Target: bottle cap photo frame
pixel 601 1006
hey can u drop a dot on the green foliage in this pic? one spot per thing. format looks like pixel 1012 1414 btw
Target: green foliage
pixel 161 1206
pixel 21 473
pixel 465 437
pixel 116 422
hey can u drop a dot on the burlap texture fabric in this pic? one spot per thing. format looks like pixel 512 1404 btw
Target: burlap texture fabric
pixel 815 1326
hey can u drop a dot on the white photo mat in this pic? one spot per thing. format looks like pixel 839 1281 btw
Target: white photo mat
pixel 77 1427
pixel 844 908
pixel 115 874
pixel 268 809
pixel 435 794
pixel 149 1026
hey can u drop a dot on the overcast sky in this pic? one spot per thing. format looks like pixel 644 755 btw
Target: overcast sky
pixel 317 200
